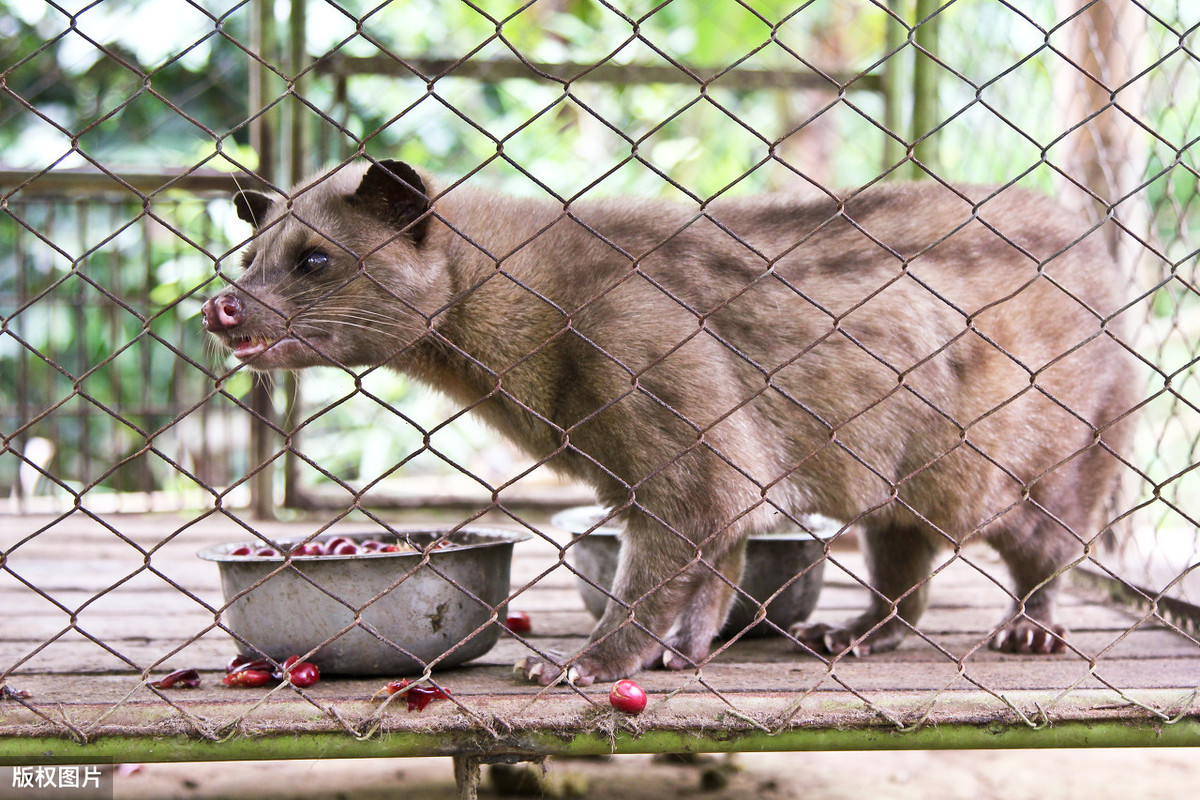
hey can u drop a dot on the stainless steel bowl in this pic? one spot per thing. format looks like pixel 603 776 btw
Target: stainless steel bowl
pixel 409 613
pixel 773 562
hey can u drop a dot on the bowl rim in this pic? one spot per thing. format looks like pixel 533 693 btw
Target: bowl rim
pixel 498 536
pixel 572 520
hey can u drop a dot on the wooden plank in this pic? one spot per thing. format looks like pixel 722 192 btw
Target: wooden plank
pixel 756 664
pixel 501 723
pixel 478 691
pixel 87 182
pixel 494 70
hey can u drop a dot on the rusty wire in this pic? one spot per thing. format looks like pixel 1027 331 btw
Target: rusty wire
pixel 137 211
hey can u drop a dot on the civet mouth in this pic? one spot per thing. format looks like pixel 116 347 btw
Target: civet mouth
pixel 247 347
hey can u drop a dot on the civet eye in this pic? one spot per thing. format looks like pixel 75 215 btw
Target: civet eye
pixel 314 261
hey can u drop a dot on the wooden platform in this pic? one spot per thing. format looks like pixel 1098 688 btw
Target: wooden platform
pixel 93 608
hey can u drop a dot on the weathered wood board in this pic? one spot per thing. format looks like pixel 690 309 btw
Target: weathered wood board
pixel 93 608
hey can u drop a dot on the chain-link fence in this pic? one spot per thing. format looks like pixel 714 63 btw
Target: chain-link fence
pixel 921 366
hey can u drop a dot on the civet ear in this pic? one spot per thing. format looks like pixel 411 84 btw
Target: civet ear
pixel 252 206
pixel 393 192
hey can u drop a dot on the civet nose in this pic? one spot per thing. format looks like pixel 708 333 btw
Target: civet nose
pixel 222 312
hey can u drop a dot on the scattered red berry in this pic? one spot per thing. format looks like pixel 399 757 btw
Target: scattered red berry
pixel 518 622
pixel 247 678
pixel 182 678
pixel 303 674
pixel 299 673
pixel 240 663
pixel 628 697
pixel 418 697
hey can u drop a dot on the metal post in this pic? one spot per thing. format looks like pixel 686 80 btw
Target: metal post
pixel 894 86
pixel 925 89
pixel 296 146
pixel 466 776
pixel 262 139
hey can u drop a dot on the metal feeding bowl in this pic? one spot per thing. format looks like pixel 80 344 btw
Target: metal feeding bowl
pixel 412 611
pixel 773 562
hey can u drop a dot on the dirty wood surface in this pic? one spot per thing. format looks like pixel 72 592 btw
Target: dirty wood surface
pixel 93 608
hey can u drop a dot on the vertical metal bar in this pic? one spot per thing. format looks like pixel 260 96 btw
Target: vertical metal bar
pixel 82 413
pixel 926 74
pixel 128 477
pixel 150 412
pixel 262 139
pixel 262 133
pixel 200 467
pixel 297 61
pixel 176 375
pixel 23 404
pixel 295 166
pixel 894 86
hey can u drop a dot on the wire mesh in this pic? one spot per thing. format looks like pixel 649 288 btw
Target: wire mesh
pixel 113 398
